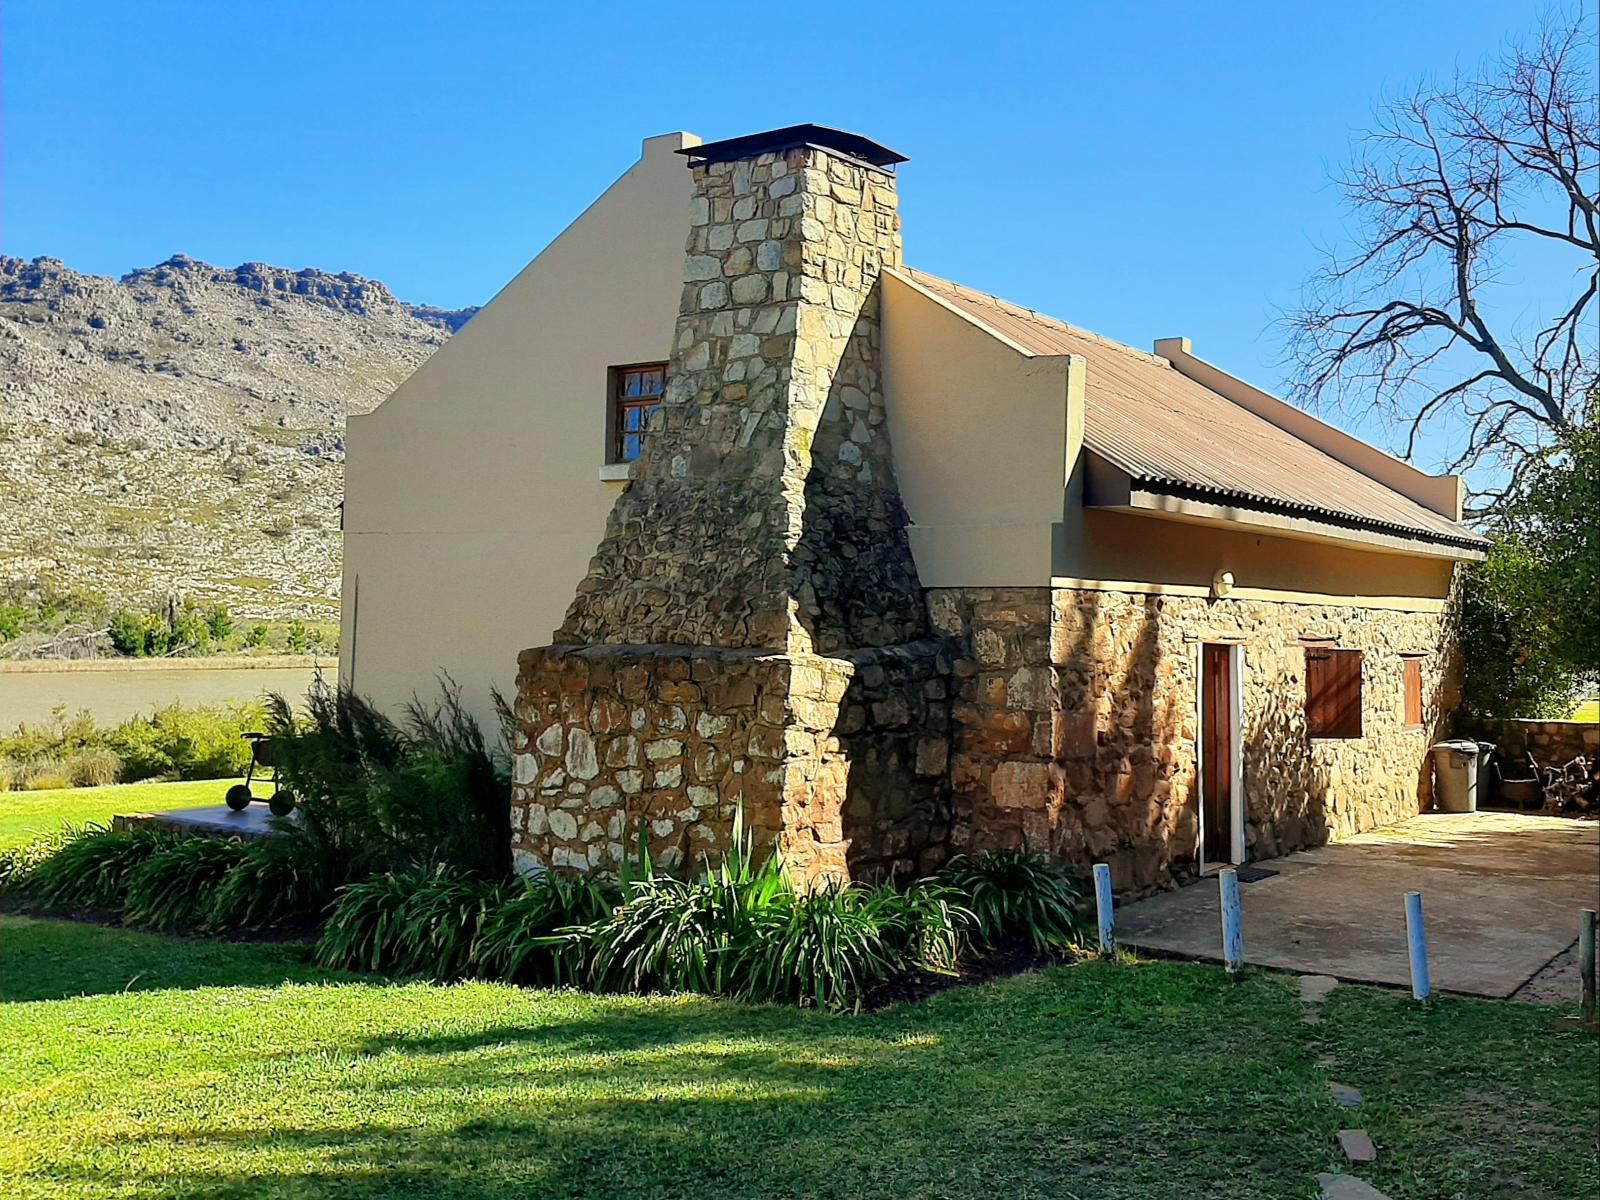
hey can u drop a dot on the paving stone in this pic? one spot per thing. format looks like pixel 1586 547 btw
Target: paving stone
pixel 1357 1146
pixel 1347 1187
pixel 1345 1094
pixel 1314 989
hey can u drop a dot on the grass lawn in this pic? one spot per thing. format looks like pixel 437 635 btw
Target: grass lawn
pixel 132 1065
pixel 1589 710
pixel 26 815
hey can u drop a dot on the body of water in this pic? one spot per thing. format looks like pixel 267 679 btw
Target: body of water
pixel 114 693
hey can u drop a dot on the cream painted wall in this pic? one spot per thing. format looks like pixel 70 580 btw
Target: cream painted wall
pixel 982 438
pixel 986 442
pixel 472 495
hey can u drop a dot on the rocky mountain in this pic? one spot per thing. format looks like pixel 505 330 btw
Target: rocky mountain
pixel 180 430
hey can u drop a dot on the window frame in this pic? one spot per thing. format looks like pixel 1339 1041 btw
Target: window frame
pixel 1346 721
pixel 1411 691
pixel 617 403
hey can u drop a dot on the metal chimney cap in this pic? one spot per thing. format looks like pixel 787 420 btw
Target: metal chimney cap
pixel 853 146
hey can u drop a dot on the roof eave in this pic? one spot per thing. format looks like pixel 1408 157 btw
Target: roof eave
pixel 1109 488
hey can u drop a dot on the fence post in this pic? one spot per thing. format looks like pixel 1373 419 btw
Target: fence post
pixel 1232 920
pixel 1586 966
pixel 1417 938
pixel 1104 910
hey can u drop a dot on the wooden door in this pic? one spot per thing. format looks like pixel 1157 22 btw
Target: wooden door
pixel 1216 771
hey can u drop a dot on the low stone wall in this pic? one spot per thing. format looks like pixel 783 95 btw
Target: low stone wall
pixel 1552 743
pixel 841 761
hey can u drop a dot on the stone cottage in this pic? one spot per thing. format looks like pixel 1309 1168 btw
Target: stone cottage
pixel 897 567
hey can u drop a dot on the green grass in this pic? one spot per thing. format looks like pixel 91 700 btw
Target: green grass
pixel 1589 710
pixel 1118 1082
pixel 27 815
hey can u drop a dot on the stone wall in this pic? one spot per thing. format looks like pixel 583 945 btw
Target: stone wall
pixel 841 761
pixel 1074 724
pixel 763 510
pixel 751 632
pixel 1552 743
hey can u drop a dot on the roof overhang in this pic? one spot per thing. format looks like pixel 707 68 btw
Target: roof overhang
pixel 1109 488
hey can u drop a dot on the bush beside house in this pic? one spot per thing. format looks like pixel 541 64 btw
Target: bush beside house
pixel 401 856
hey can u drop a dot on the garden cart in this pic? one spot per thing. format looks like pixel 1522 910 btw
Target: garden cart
pixel 281 802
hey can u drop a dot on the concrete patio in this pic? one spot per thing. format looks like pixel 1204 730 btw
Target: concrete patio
pixel 1501 894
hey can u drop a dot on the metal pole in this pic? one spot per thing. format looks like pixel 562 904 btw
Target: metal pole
pixel 1586 965
pixel 1232 920
pixel 1104 910
pixel 1421 985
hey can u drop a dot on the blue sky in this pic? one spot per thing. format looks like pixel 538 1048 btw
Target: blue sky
pixel 1143 170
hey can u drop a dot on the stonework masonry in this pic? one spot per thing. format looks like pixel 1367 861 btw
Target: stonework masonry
pixel 1075 721
pixel 751 630
pixel 752 634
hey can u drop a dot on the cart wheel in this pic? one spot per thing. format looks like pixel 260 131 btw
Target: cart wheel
pixel 281 804
pixel 238 797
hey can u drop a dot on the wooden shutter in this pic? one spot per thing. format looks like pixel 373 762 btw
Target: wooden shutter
pixel 1413 670
pixel 1333 693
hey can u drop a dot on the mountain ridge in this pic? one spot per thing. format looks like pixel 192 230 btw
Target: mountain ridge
pixel 180 429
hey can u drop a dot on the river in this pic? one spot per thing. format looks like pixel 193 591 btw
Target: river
pixel 112 692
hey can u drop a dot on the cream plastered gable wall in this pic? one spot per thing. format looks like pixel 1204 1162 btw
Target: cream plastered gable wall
pixel 473 497
pixel 988 454
pixel 983 436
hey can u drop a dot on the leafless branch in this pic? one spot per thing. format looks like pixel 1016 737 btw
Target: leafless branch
pixel 1415 321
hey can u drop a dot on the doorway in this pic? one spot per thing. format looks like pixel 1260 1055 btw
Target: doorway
pixel 1221 798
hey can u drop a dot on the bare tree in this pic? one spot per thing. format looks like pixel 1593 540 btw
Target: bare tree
pixel 1415 322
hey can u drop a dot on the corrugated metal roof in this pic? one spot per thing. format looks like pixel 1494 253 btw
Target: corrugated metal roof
pixel 1166 430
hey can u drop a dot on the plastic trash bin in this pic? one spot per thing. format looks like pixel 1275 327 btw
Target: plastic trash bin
pixel 1486 752
pixel 1455 776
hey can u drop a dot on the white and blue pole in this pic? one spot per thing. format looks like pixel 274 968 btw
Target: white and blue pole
pixel 1417 939
pixel 1104 909
pixel 1232 921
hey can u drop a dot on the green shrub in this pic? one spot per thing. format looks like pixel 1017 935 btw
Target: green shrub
pixel 219 623
pixel 93 866
pixel 18 863
pixel 174 887
pixel 381 796
pixel 540 938
pixel 825 948
pixel 12 617
pixel 419 922
pixel 94 768
pixel 187 743
pixel 1017 894
pixel 669 935
pixel 42 775
pixel 927 924
pixel 277 881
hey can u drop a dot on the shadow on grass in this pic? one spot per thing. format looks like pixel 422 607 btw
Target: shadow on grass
pixel 44 958
pixel 1078 1082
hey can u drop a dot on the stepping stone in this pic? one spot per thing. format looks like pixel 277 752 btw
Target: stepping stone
pixel 1357 1146
pixel 1314 989
pixel 1327 1061
pixel 1347 1187
pixel 1345 1094
pixel 1310 1018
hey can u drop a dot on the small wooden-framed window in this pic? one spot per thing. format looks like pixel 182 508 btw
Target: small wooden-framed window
pixel 635 392
pixel 1411 664
pixel 1333 692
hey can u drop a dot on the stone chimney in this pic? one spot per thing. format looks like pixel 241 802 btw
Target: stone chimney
pixel 751 630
